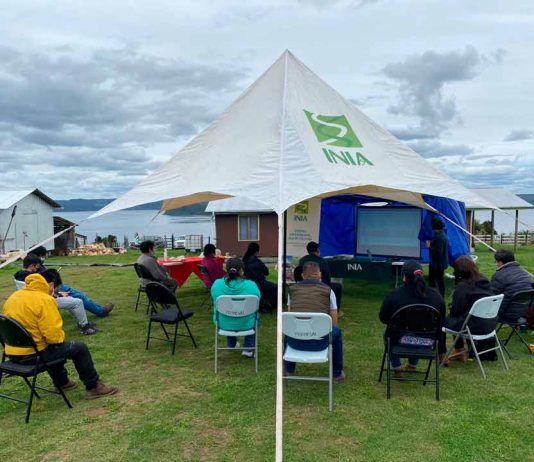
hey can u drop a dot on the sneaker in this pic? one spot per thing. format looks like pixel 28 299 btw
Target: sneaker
pixel 69 385
pixel 409 368
pixel 237 345
pixel 398 372
pixel 340 378
pixel 248 353
pixel 88 329
pixel 107 309
pixel 101 390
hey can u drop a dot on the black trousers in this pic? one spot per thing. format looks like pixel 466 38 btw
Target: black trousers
pixel 269 292
pixel 77 352
pixel 337 288
pixel 437 276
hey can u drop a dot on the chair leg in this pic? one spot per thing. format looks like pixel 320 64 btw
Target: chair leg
pixel 330 379
pixel 148 334
pixel 216 348
pixel 256 354
pixel 477 357
pixel 190 334
pixel 524 342
pixel 437 375
pixel 427 373
pixel 175 336
pixel 499 347
pixel 30 401
pixel 62 393
pixel 388 377
pixel 382 366
pixel 137 301
pixel 30 387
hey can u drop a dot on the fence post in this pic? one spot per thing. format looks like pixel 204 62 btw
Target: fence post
pixel 172 240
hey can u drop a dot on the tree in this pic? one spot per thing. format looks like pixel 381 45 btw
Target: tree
pixel 483 228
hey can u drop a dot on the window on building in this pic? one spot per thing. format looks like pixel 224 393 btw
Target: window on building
pixel 249 227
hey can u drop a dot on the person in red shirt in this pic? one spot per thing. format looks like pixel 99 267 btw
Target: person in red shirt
pixel 213 266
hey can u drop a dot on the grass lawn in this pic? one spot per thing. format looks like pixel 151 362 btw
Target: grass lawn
pixel 176 408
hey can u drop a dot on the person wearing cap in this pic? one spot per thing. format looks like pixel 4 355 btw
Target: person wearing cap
pixel 234 283
pixel 438 250
pixel 314 255
pixel 34 307
pixel 311 295
pixel 413 291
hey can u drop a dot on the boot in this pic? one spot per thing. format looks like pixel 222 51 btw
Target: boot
pixel 101 390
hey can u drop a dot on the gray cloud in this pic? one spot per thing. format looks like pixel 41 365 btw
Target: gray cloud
pixel 414 132
pixel 519 135
pixel 421 79
pixel 435 149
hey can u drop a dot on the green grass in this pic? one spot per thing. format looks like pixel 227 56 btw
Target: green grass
pixel 176 408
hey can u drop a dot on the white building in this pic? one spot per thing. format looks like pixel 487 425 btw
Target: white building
pixel 32 220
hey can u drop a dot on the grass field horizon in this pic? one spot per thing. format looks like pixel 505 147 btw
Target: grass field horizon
pixel 176 408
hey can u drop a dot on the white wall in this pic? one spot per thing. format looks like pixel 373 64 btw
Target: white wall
pixel 34 217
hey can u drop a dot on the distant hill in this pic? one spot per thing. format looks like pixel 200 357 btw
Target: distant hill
pixel 527 197
pixel 91 205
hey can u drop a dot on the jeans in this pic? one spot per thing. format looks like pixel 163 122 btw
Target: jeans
pixel 247 343
pixel 317 345
pixel 80 355
pixel 75 306
pixel 338 292
pixel 88 304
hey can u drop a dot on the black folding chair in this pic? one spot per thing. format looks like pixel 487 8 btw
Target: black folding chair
pixel 13 334
pixel 518 307
pixel 420 321
pixel 142 273
pixel 204 271
pixel 160 296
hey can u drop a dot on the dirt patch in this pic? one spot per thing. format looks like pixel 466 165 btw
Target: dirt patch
pixel 96 411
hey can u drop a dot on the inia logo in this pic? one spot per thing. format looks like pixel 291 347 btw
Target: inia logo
pixel 335 132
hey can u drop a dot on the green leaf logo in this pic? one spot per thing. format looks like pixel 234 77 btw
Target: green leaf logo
pixel 333 130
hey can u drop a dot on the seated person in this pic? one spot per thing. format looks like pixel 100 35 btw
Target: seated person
pixel 235 284
pixel 313 296
pixel 470 286
pixel 509 279
pixel 314 255
pixel 35 308
pixel 158 272
pixel 413 291
pixel 65 302
pixel 257 271
pixel 212 265
pixel 33 263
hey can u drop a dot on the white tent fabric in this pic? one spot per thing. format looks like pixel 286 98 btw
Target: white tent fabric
pixel 287 138
pixel 332 147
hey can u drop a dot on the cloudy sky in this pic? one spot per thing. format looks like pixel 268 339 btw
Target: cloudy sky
pixel 95 95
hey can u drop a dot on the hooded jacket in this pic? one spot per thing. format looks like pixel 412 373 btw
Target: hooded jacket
pixel 463 297
pixel 37 311
pixel 510 279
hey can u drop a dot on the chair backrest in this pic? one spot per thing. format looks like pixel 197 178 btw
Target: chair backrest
pixel 142 272
pixel 486 307
pixel 205 274
pixel 418 319
pixel 14 334
pixel 19 284
pixel 520 302
pixel 306 326
pixel 158 293
pixel 237 306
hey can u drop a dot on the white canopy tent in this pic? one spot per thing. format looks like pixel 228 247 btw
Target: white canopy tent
pixel 287 138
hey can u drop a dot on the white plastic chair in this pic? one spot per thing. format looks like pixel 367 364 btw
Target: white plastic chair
pixel 487 308
pixel 309 326
pixel 236 307
pixel 19 284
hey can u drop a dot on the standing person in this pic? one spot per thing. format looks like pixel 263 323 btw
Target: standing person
pixel 439 259
pixel 235 284
pixel 412 292
pixel 470 286
pixel 212 265
pixel 311 295
pixel 314 255
pixel 509 279
pixel 89 304
pixel 257 271
pixel 150 262
pixel 35 308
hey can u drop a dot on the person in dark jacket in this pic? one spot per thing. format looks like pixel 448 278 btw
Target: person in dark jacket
pixel 314 256
pixel 257 271
pixel 438 253
pixel 413 291
pixel 470 286
pixel 509 279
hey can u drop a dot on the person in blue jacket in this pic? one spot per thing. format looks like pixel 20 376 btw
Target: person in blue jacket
pixel 234 283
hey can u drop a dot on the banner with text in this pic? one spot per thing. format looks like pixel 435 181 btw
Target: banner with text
pixel 302 226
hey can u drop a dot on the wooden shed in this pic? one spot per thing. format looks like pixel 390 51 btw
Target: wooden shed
pixel 25 219
pixel 240 221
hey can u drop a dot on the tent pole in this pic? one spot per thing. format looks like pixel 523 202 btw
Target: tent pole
pixel 284 259
pixel 515 230
pixel 279 346
pixel 492 238
pixel 473 229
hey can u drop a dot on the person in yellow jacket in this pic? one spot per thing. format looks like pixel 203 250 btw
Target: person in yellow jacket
pixel 36 309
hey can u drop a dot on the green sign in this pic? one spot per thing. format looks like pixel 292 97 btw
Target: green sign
pixel 333 130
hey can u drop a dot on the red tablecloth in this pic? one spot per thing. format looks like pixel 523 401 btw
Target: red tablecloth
pixel 180 270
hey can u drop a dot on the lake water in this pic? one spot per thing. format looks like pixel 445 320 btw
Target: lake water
pixel 143 222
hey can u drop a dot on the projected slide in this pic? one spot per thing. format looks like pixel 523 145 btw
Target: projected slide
pixel 388 231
